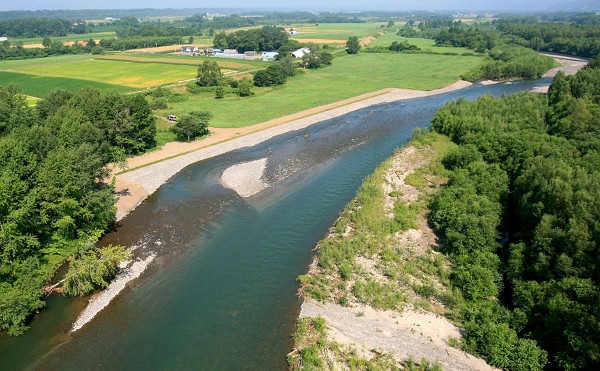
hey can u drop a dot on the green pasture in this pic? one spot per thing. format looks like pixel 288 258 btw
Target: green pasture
pixel 424 44
pixel 40 86
pixel 186 59
pixel 335 31
pixel 130 74
pixel 39 62
pixel 349 76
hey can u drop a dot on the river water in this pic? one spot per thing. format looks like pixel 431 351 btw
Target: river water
pixel 221 294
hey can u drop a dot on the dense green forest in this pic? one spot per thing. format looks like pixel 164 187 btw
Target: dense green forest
pixel 519 220
pixel 581 37
pixel 32 27
pixel 54 197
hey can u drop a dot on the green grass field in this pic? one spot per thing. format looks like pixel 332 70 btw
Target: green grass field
pixel 125 73
pixel 424 44
pixel 335 31
pixel 40 86
pixel 349 76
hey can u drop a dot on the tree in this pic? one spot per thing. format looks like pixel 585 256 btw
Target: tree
pixel 93 269
pixel 220 40
pixel 46 42
pixel 245 87
pixel 209 74
pixel 191 39
pixel 288 65
pixel 52 103
pixel 352 45
pixel 391 24
pixel 271 76
pixel 192 125
pixel 220 92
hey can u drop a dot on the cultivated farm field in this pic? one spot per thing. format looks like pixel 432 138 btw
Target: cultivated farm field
pixel 333 32
pixel 122 72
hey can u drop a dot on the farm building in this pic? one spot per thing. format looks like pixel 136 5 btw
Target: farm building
pixel 189 50
pixel 269 55
pixel 293 32
pixel 3 38
pixel 300 52
pixel 230 53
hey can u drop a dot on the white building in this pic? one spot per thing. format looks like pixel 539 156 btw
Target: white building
pixel 300 52
pixel 268 55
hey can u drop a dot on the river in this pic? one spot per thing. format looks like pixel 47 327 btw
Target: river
pixel 221 294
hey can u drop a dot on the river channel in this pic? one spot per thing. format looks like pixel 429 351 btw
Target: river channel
pixel 221 293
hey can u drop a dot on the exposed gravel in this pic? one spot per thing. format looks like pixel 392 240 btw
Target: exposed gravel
pixel 416 334
pixel 102 299
pixel 246 178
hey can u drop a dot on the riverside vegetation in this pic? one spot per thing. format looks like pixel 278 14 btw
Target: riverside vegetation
pixel 54 199
pixel 517 222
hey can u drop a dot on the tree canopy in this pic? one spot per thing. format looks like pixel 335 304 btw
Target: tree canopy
pixel 519 218
pixel 53 194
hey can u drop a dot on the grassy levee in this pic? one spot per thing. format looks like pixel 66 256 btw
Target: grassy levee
pixel 348 76
pixel 40 86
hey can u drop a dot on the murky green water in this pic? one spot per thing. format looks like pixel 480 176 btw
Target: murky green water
pixel 221 293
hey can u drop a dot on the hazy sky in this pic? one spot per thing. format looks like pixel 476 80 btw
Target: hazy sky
pixel 301 4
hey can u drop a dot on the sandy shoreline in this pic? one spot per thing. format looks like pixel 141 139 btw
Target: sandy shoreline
pixel 153 169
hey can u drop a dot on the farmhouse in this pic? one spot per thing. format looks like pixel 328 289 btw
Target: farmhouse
pixel 189 50
pixel 300 52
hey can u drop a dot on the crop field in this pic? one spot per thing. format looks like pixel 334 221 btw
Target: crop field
pixel 68 38
pixel 424 44
pixel 40 86
pixel 334 31
pixel 119 72
pixel 349 76
pixel 231 64
pixel 129 74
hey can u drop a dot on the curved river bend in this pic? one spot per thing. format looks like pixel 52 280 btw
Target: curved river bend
pixel 221 293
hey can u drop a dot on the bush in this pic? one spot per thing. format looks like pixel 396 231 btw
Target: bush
pixel 271 76
pixel 220 92
pixel 192 125
pixel 159 103
pixel 245 88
